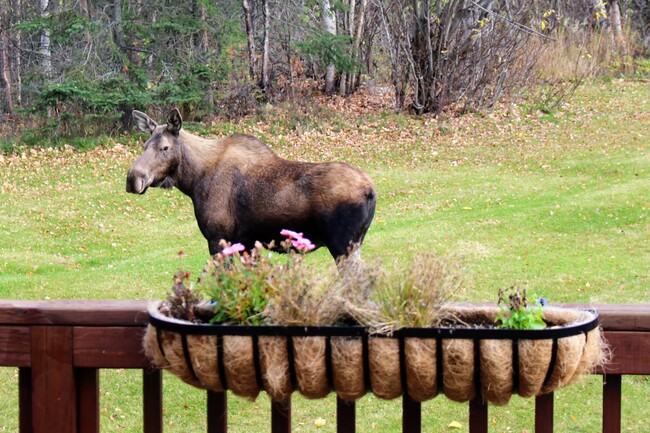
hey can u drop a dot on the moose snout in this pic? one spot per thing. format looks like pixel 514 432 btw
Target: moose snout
pixel 136 181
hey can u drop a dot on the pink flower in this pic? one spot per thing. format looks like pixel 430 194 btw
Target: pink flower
pixel 291 234
pixel 303 244
pixel 234 248
pixel 298 241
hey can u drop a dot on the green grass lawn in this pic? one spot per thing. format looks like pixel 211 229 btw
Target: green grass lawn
pixel 558 203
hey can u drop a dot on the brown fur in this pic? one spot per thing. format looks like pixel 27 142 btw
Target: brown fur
pixel 243 192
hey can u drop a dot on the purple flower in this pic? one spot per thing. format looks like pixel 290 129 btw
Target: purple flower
pixel 234 248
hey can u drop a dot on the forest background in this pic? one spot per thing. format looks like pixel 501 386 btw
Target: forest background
pixel 76 68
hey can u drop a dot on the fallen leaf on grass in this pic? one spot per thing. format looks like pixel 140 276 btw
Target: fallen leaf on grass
pixel 455 424
pixel 319 422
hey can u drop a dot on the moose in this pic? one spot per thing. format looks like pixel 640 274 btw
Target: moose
pixel 243 192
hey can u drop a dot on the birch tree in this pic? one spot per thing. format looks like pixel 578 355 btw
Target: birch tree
pixel 266 47
pixel 616 25
pixel 45 53
pixel 4 67
pixel 328 20
pixel 250 36
pixel 356 42
pixel 16 58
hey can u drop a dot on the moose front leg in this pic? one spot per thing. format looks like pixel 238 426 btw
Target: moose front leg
pixel 215 247
pixel 209 222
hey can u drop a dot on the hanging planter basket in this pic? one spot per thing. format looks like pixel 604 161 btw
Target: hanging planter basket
pixel 462 363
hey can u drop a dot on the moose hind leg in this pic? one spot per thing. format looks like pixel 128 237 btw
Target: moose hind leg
pixel 347 227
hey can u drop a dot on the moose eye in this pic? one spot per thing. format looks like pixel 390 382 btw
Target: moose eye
pixel 165 148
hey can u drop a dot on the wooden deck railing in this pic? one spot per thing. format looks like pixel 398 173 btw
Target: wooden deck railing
pixel 59 347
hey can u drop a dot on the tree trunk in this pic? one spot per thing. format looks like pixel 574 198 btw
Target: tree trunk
pixel 135 44
pixel 46 54
pixel 154 19
pixel 85 14
pixel 18 70
pixel 118 31
pixel 392 33
pixel 16 62
pixel 345 76
pixel 430 70
pixel 422 65
pixel 360 28
pixel 6 19
pixel 4 70
pixel 615 20
pixel 343 84
pixel 250 33
pixel 203 40
pixel 292 95
pixel 329 26
pixel 265 49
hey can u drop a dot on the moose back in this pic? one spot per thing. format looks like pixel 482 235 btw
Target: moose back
pixel 243 192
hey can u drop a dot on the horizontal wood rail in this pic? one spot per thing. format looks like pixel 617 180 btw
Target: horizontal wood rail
pixel 59 347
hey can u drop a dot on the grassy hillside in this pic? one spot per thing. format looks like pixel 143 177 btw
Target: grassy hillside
pixel 556 202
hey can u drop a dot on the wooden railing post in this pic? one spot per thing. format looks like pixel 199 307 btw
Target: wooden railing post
pixel 478 416
pixel 544 413
pixel 411 415
pixel 88 399
pixel 217 412
pixel 345 416
pixel 54 389
pixel 612 403
pixel 152 400
pixel 25 400
pixel 281 416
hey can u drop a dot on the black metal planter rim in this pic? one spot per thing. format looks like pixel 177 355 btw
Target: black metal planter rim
pixel 165 323
pixel 184 328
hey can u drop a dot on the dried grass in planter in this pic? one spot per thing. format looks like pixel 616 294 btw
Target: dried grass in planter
pixel 462 363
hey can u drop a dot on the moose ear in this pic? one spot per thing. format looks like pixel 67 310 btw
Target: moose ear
pixel 144 123
pixel 174 121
